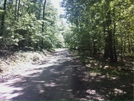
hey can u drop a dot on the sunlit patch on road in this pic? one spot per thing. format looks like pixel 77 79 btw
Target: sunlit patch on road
pixel 63 77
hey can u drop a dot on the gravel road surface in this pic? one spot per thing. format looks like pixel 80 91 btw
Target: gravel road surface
pixel 57 78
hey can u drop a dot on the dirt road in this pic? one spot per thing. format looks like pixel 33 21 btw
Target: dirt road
pixel 61 76
pixel 57 78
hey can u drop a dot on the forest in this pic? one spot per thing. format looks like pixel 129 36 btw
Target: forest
pixel 101 26
pixel 94 26
pixel 29 25
pixel 97 39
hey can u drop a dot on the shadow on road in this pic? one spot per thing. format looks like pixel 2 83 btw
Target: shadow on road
pixel 66 79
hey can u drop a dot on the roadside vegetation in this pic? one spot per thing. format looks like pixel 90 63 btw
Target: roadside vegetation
pixel 101 35
pixel 13 64
pixel 99 32
pixel 102 30
pixel 29 29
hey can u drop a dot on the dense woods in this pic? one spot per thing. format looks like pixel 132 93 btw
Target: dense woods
pixel 29 24
pixel 101 26
pixel 94 26
pixel 35 60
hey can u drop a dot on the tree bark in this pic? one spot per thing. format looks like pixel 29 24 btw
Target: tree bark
pixel 44 6
pixel 109 38
pixel 3 18
pixel 18 8
pixel 114 40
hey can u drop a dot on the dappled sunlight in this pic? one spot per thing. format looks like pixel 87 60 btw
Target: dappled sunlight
pixel 43 81
pixel 104 82
pixel 65 78
pixel 93 74
pixel 50 85
pixel 119 92
pixel 8 92
pixel 33 73
pixel 91 92
pixel 99 32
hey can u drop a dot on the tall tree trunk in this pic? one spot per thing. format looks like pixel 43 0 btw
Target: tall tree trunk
pixel 113 39
pixel 3 18
pixel 18 8
pixel 110 45
pixel 44 6
pixel 114 42
pixel 106 51
pixel 110 35
pixel 129 43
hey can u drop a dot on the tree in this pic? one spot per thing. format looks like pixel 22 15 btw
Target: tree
pixel 29 25
pixel 101 26
pixel 44 6
pixel 3 17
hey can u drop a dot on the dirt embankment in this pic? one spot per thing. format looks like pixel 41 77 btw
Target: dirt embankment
pixel 14 63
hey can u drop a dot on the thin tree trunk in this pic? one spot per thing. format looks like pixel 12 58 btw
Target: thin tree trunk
pixel 106 51
pixel 3 18
pixel 16 10
pixel 114 31
pixel 129 43
pixel 114 47
pixel 110 36
pixel 106 39
pixel 39 15
pixel 44 6
pixel 111 45
pixel 121 45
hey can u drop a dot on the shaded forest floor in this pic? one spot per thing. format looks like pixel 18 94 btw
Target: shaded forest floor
pixel 95 80
pixel 114 80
